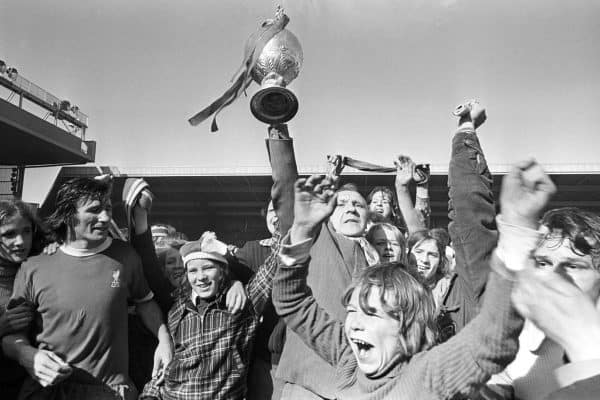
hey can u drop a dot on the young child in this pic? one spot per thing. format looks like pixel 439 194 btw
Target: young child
pixel 212 344
pixel 383 350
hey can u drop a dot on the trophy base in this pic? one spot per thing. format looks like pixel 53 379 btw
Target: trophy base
pixel 274 105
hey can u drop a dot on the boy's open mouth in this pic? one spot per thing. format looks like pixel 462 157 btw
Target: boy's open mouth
pixel 362 346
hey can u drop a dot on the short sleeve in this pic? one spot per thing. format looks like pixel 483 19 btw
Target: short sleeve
pixel 23 287
pixel 139 291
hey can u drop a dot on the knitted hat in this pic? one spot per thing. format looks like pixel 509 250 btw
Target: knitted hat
pixel 206 248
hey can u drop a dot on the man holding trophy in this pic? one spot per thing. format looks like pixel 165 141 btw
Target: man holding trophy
pixel 272 58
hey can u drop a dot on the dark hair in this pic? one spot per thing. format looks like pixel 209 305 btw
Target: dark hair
pixel 417 238
pixel 68 199
pixel 403 298
pixel 581 227
pixel 441 235
pixel 265 209
pixel 16 208
pixel 385 190
pixel 396 217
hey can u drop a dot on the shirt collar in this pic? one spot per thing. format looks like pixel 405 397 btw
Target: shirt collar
pixel 72 251
pixel 266 242
pixel 200 303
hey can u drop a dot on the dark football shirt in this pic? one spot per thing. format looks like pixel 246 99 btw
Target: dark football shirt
pixel 81 299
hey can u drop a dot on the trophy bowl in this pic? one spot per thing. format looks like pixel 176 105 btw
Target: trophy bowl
pixel 277 66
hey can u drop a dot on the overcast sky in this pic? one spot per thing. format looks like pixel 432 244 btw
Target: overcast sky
pixel 380 77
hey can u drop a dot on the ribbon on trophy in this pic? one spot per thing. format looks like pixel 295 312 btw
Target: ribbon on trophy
pixel 337 163
pixel 242 79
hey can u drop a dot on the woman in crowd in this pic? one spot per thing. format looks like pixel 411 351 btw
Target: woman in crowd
pixel 388 240
pixel 168 255
pixel 427 259
pixel 20 236
pixel 382 206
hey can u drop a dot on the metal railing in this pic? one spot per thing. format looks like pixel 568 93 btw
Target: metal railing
pixel 60 109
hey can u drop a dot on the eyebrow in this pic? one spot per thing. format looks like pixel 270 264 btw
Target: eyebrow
pixel 573 261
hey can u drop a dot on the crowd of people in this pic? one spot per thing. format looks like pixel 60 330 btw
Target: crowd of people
pixel 351 297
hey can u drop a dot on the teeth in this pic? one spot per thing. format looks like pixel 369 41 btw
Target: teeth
pixel 362 345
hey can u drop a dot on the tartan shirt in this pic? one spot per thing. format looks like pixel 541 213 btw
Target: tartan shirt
pixel 213 346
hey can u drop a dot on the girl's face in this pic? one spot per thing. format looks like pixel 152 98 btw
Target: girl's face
pixel 174 270
pixel 373 338
pixel 426 258
pixel 381 204
pixel 387 245
pixel 16 237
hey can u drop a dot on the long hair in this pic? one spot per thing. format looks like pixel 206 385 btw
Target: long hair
pixel 581 227
pixel 68 199
pixel 419 237
pixel 393 202
pixel 394 229
pixel 16 208
pixel 403 298
pixel 164 245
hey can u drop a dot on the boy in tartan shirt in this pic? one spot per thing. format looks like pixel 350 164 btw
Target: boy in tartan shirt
pixel 212 346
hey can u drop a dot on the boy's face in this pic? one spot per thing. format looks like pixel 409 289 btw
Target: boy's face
pixel 92 221
pixel 556 254
pixel 205 277
pixel 426 258
pixel 15 239
pixel 373 338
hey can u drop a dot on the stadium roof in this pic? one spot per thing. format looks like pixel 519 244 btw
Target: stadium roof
pixel 230 204
pixel 29 140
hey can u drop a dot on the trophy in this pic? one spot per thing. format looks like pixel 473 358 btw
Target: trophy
pixel 273 58
pixel 277 66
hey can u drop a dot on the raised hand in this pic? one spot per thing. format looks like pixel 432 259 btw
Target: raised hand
pixel 405 170
pixel 560 309
pixel 315 200
pixel 471 114
pixel 526 190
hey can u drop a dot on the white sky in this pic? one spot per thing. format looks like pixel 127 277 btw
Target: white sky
pixel 380 77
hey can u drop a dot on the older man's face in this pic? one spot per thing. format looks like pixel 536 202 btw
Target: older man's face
pixel 350 215
pixel 557 254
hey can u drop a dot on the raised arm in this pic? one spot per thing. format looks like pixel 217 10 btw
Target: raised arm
pixel 314 202
pixel 138 206
pixel 405 169
pixel 260 286
pixel 472 227
pixel 489 342
pixel 284 171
